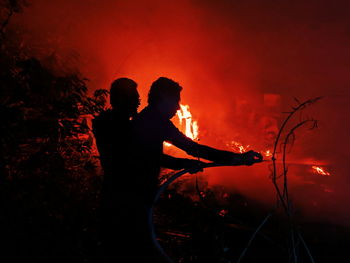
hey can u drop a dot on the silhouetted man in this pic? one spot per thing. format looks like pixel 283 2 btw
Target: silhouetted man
pixel 150 128
pixel 111 129
pixel 122 211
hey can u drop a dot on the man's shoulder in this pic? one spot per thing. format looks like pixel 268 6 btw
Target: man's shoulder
pixel 143 116
pixel 151 118
pixel 100 120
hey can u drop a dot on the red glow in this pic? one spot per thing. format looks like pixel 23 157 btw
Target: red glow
pixel 240 66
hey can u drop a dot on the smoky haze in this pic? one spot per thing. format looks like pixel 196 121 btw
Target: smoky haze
pixel 241 63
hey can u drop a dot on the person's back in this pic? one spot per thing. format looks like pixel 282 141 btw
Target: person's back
pixel 147 151
pixel 112 129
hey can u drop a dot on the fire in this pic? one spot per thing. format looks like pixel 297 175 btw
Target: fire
pixel 268 153
pixel 185 118
pixel 184 114
pixel 238 146
pixel 190 129
pixel 320 170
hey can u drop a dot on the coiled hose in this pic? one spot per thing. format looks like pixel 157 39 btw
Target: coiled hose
pixel 158 194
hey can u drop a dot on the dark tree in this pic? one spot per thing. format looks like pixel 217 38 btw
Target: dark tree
pixel 49 188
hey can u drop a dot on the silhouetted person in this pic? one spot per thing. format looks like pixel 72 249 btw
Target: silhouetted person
pixel 122 213
pixel 111 129
pixel 150 128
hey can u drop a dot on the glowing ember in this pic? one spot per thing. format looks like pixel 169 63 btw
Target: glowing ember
pixel 268 153
pixel 320 170
pixel 223 213
pixel 238 146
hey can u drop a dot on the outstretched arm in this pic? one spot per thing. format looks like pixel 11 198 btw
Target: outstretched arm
pixel 173 163
pixel 181 141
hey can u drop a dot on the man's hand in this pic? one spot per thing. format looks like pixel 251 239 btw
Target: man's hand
pixel 195 166
pixel 251 157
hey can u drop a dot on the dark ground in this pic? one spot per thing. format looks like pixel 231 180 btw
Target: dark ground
pixel 46 220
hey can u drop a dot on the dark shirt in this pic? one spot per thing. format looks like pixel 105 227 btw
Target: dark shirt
pixel 149 130
pixel 111 130
pixel 123 215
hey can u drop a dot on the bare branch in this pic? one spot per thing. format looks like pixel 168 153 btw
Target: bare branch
pixel 283 194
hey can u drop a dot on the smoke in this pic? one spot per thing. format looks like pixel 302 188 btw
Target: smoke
pixel 240 63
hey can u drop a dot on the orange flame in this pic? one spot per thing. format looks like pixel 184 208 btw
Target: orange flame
pixel 267 153
pixel 191 127
pixel 185 118
pixel 320 170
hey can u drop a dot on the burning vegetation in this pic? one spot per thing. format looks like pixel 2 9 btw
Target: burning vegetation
pixel 320 170
pixel 190 128
pixel 50 178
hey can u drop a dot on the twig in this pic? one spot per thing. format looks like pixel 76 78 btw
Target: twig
pixel 290 115
pixel 284 162
pixel 306 247
pixel 284 197
pixel 253 236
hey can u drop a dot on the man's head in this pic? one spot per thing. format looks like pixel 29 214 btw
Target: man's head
pixel 164 95
pixel 124 96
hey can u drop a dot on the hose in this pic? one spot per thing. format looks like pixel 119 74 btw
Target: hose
pixel 158 194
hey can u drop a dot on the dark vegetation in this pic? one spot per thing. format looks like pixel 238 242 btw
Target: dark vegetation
pixel 50 182
pixel 49 185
